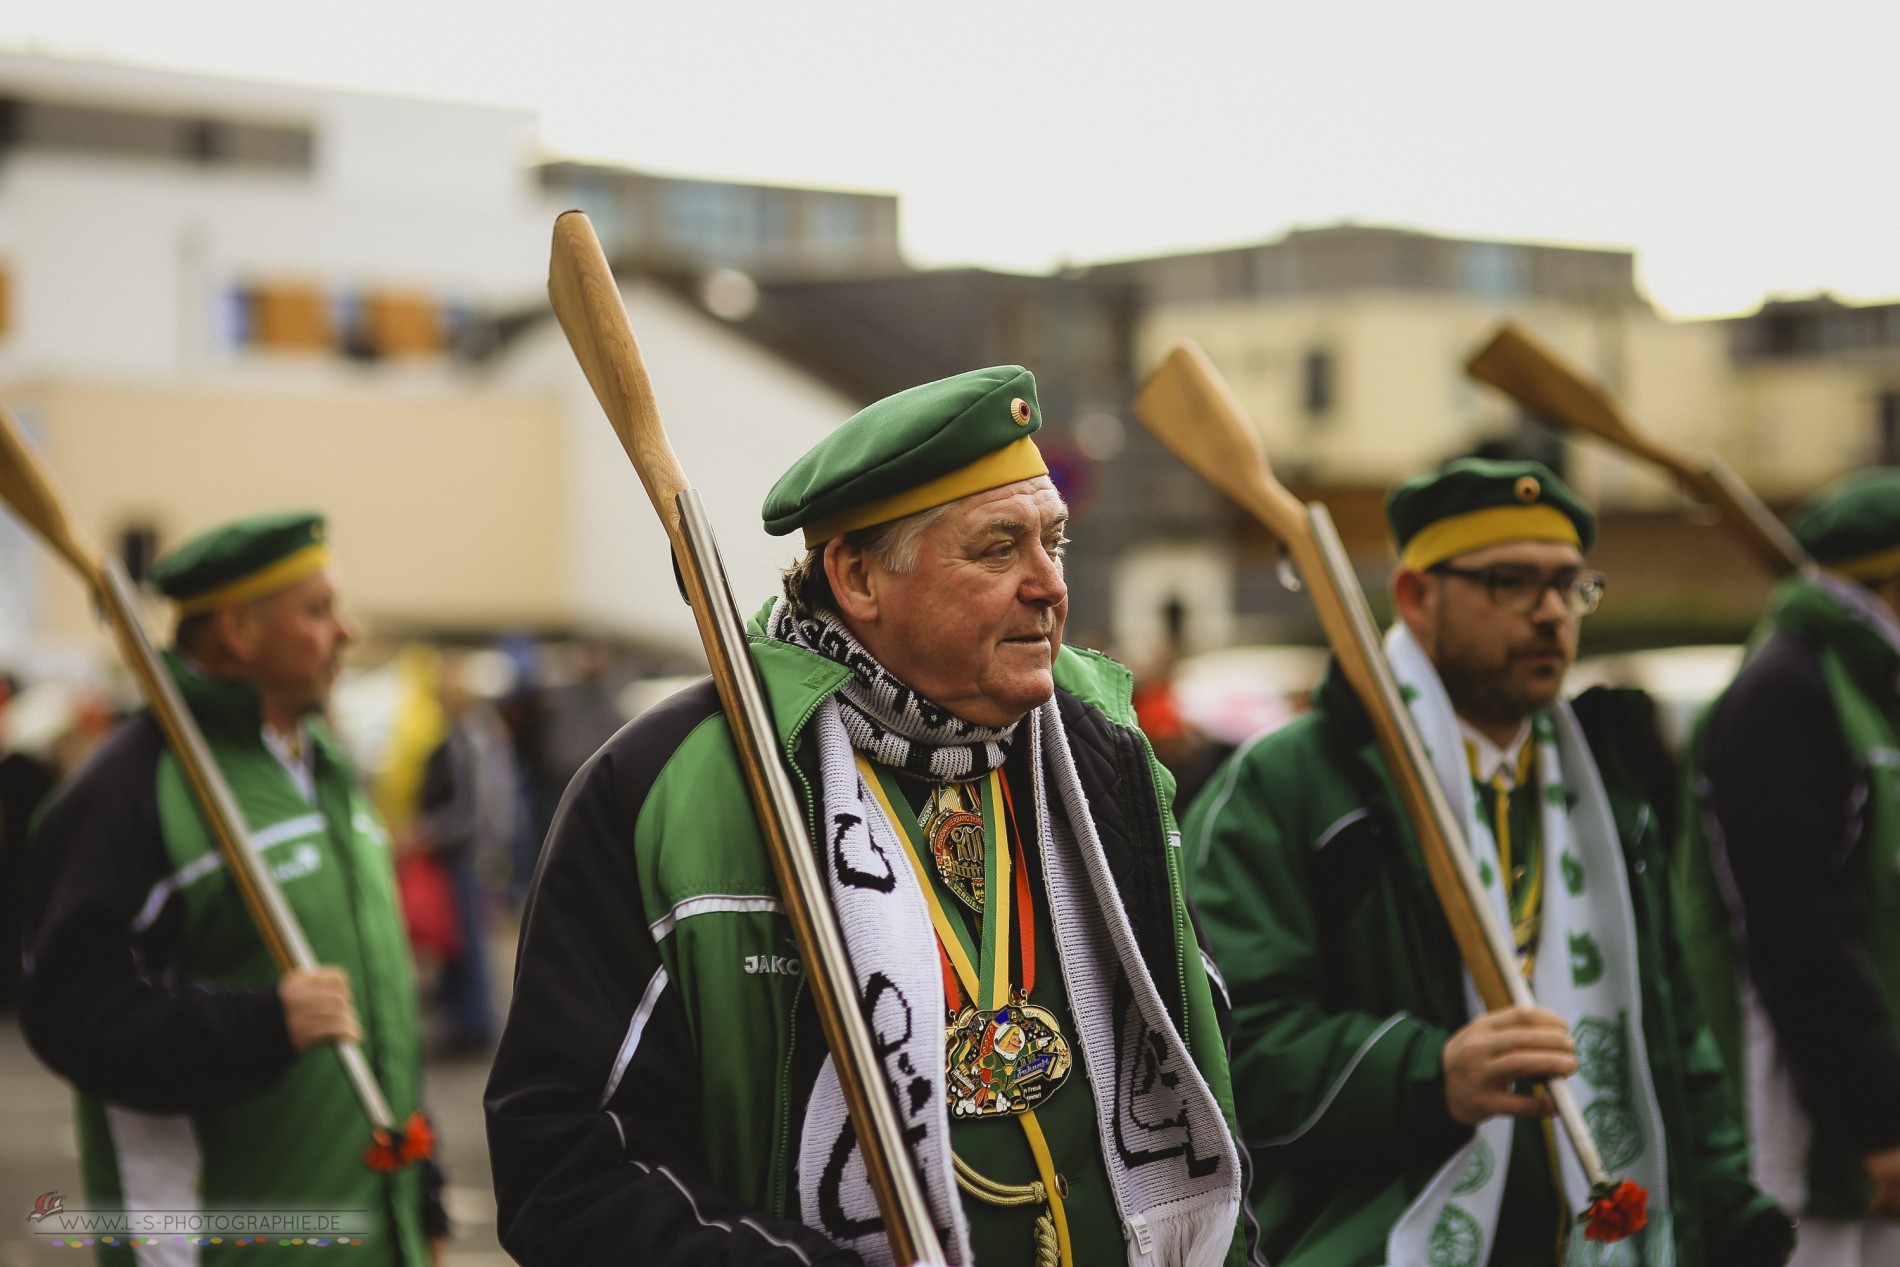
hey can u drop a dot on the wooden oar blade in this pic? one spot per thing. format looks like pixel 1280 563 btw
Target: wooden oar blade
pixel 28 489
pixel 573 265
pixel 1535 375
pixel 1189 407
pixel 587 302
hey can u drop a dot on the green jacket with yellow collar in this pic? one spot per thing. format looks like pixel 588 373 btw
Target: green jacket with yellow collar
pixel 149 988
pixel 648 1094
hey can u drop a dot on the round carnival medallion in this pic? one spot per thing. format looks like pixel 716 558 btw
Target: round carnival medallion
pixel 1002 1062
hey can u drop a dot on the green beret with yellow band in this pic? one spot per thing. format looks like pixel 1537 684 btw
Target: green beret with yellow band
pixel 1854 526
pixel 919 449
pixel 1475 503
pixel 245 559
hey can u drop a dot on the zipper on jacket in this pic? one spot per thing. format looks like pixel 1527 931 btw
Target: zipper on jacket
pixel 1177 889
pixel 789 749
pixel 782 1175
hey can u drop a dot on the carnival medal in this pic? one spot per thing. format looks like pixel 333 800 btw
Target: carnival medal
pixel 1003 1055
pixel 1002 1062
pixel 954 832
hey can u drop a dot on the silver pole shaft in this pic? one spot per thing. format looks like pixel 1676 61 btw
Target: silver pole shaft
pixel 827 938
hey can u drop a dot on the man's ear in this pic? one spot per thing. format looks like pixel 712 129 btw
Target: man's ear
pixel 236 629
pixel 853 585
pixel 1413 598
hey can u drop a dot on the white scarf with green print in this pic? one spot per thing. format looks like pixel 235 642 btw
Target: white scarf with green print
pixel 1586 972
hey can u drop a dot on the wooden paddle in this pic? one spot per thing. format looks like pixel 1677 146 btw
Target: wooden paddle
pixel 1532 373
pixel 1190 409
pixel 28 489
pixel 587 301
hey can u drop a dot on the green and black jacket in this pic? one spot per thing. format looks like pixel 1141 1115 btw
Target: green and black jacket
pixel 1345 985
pixel 650 1087
pixel 151 991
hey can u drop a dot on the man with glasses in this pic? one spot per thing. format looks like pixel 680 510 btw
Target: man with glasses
pixel 1390 1118
pixel 1790 868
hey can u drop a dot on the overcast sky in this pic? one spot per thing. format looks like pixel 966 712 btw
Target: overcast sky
pixel 1742 148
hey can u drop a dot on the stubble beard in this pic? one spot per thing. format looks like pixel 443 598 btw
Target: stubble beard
pixel 1504 694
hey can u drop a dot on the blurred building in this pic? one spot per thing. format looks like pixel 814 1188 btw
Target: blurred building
pixel 219 296
pixel 767 231
pixel 1816 392
pixel 160 223
pixel 1346 344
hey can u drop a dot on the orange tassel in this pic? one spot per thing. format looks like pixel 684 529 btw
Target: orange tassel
pixel 1623 1211
pixel 389 1153
pixel 418 1141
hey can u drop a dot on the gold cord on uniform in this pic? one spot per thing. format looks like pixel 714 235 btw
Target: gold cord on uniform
pixel 1006 1195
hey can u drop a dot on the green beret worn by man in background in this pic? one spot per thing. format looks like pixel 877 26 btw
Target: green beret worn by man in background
pixel 1385 1111
pixel 200 1071
pixel 1790 870
pixel 998 842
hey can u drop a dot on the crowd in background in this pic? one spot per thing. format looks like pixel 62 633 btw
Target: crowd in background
pixel 467 751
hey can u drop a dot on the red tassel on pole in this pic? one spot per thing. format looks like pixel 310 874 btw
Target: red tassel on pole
pixel 1622 1211
pixel 394 1150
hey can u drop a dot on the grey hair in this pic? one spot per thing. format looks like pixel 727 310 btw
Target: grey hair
pixel 895 545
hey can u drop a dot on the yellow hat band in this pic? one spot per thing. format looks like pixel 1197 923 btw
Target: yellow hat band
pixel 1477 529
pixel 287 571
pixel 1017 460
pixel 1869 567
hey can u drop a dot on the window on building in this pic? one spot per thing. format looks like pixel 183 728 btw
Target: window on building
pixel 1316 379
pixel 1887 427
pixel 1781 334
pixel 835 226
pixel 138 548
pixel 282 317
pixel 1494 270
pixel 1531 439
pixel 402 323
pixel 110 131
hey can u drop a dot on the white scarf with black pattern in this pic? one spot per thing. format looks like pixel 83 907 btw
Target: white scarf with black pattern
pixel 1170 1160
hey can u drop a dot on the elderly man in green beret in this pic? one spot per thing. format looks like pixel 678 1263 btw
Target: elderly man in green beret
pixel 201 1084
pixel 1392 1119
pixel 1000 849
pixel 1790 868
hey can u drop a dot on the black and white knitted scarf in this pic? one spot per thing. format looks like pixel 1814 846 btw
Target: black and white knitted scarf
pixel 887 720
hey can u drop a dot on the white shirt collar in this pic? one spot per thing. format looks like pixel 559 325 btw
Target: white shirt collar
pixel 1492 760
pixel 300 765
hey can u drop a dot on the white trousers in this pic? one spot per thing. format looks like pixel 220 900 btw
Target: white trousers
pixel 1781 1135
pixel 1846 1243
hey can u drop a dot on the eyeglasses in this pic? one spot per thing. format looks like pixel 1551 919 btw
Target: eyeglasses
pixel 1520 590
